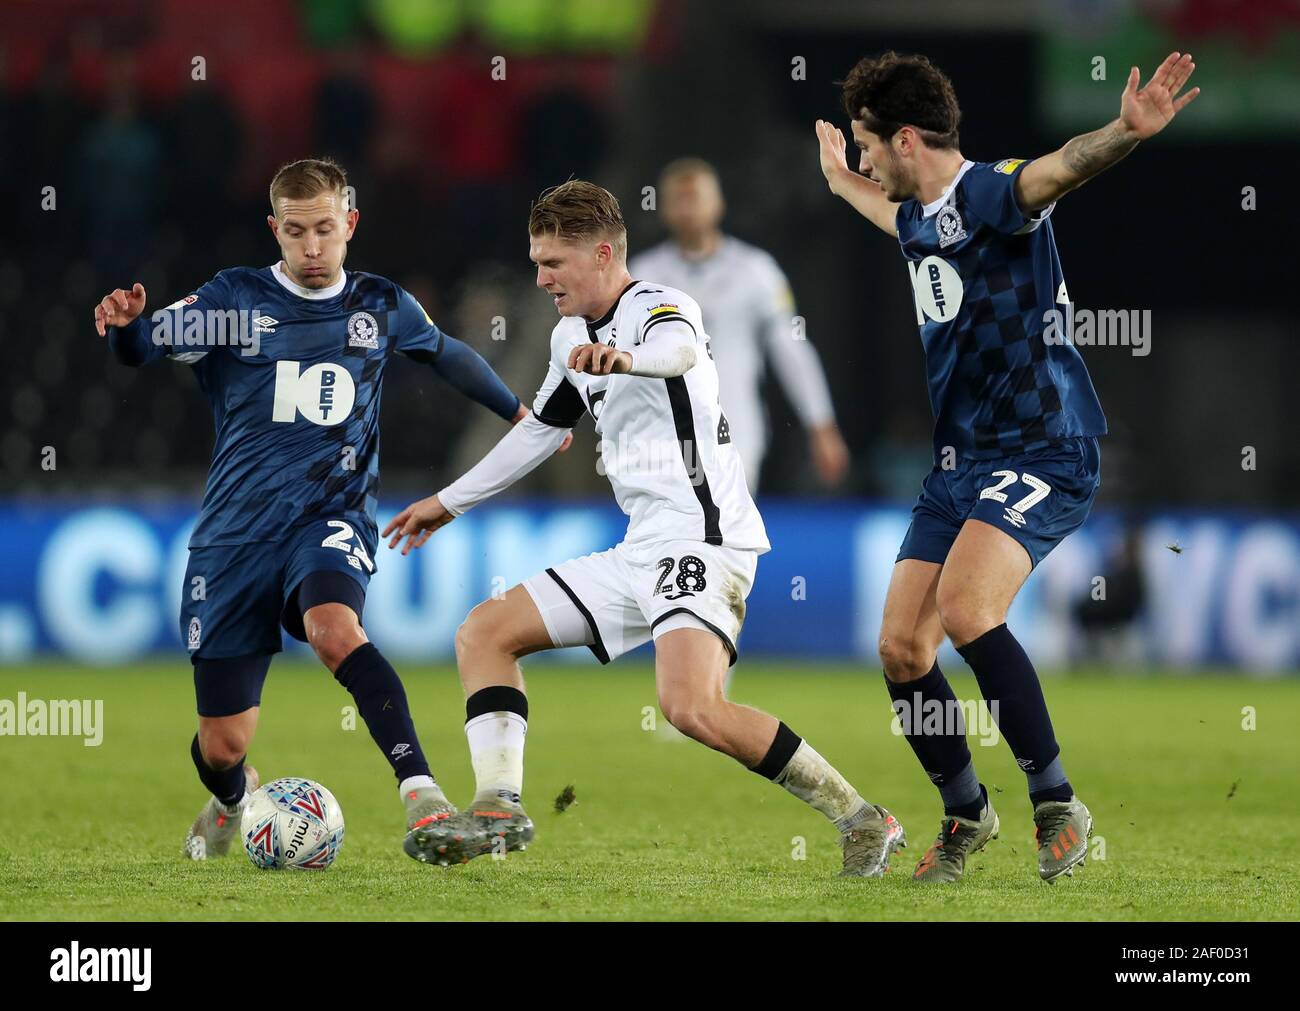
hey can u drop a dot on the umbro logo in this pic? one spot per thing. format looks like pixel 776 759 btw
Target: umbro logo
pixel 266 324
pixel 1015 518
pixel 400 750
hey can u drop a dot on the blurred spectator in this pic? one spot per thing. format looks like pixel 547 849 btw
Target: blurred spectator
pixel 1108 616
pixel 204 135
pixel 120 178
pixel 565 135
pixel 347 110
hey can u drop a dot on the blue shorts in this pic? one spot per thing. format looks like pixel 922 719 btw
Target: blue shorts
pixel 1038 498
pixel 237 597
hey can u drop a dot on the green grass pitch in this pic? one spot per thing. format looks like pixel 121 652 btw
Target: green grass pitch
pixel 1196 814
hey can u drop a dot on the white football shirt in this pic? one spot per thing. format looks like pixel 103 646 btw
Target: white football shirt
pixel 749 311
pixel 665 444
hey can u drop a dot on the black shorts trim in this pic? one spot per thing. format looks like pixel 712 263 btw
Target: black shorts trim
pixel 726 639
pixel 597 647
pixel 325 586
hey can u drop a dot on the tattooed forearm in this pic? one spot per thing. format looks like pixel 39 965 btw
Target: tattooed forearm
pixel 1090 153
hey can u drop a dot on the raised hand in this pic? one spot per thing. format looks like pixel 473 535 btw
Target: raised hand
pixel 830 140
pixel 1148 111
pixel 119 308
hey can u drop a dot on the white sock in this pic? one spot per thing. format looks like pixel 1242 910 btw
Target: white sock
pixel 818 784
pixel 496 748
pixel 412 783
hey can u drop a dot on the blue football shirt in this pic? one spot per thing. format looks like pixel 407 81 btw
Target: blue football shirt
pixel 297 422
pixel 984 276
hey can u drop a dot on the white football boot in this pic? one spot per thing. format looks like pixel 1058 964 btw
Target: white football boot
pixel 217 825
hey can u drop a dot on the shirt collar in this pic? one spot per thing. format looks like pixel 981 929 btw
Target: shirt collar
pixel 294 288
pixel 933 206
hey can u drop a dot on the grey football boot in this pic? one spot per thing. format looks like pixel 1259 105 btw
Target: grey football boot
pixel 426 805
pixel 489 825
pixel 217 825
pixel 1061 830
pixel 958 838
pixel 869 840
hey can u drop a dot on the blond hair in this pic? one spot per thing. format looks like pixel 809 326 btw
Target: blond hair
pixel 579 210
pixel 306 178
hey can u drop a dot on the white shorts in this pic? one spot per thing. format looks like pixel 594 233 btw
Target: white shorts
pixel 613 601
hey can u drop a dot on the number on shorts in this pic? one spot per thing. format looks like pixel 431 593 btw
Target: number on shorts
pixel 667 565
pixel 1041 489
pixel 690 574
pixel 995 491
pixel 340 540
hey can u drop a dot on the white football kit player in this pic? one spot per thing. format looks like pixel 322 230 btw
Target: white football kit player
pixel 693 535
pixel 750 314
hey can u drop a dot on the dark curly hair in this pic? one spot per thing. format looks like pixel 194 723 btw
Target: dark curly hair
pixel 890 91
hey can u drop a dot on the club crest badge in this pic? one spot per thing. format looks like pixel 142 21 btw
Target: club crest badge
pixel 363 331
pixel 949 225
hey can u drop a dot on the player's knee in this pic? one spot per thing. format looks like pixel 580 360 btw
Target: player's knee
pixel 334 642
pixel 223 748
pixel 485 629
pixel 904 658
pixel 693 716
pixel 965 620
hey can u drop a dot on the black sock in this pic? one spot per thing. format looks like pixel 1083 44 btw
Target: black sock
pixel 945 756
pixel 782 749
pixel 496 699
pixel 381 700
pixel 1015 700
pixel 227 785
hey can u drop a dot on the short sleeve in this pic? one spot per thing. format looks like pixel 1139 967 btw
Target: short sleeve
pixel 990 192
pixel 417 335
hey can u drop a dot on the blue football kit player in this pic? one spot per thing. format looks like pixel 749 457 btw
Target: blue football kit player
pixel 291 359
pixel 1017 464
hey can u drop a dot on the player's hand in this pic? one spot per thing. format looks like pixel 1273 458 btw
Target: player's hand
pixel 599 360
pixel 830 140
pixel 1145 113
pixel 417 522
pixel 830 455
pixel 119 308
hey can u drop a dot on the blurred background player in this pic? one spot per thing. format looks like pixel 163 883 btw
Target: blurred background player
pixel 1017 462
pixel 634 355
pixel 287 532
pixel 749 310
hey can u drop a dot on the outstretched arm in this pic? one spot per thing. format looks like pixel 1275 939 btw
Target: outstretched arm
pixel 866 196
pixel 466 370
pixel 1142 114
pixel 517 453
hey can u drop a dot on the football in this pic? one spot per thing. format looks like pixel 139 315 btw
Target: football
pixel 293 823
